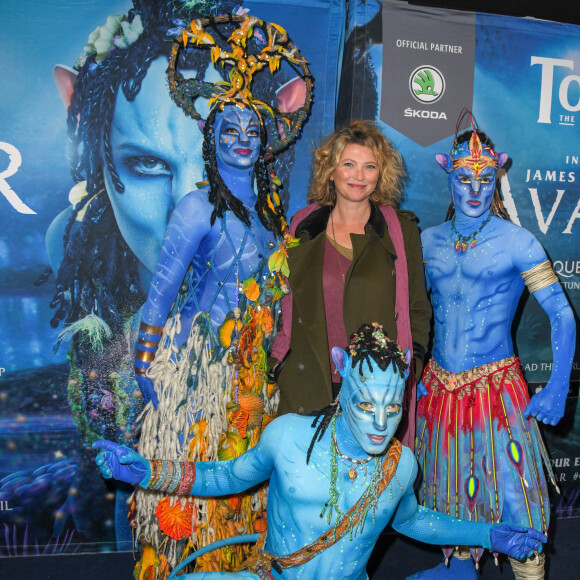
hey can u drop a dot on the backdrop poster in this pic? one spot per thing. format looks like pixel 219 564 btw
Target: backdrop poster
pixel 51 495
pixel 415 69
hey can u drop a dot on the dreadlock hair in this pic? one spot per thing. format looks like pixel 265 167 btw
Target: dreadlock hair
pixel 496 208
pixel 98 265
pixel 321 421
pixel 220 195
pixel 98 274
pixel 369 343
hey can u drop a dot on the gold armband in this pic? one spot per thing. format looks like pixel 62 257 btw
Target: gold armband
pixel 145 356
pixel 146 343
pixel 150 329
pixel 539 276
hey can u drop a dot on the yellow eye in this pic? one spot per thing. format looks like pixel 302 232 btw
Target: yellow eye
pixel 465 179
pixel 367 406
pixel 393 409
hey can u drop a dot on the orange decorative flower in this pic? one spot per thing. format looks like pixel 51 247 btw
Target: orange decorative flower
pixel 235 503
pixel 226 330
pixel 253 406
pixel 260 525
pixel 251 289
pixel 164 568
pixel 271 388
pixel 198 445
pixel 232 446
pixel 267 322
pixel 239 420
pixel 174 520
pixel 265 420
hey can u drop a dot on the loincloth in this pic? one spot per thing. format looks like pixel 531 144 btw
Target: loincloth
pixel 481 459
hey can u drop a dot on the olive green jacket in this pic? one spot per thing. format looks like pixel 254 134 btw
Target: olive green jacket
pixel 304 376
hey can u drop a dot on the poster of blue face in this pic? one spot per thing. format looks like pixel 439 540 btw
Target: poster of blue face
pixel 413 69
pixel 87 191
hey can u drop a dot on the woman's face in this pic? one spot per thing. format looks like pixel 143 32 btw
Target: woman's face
pixel 356 174
pixel 156 150
pixel 238 138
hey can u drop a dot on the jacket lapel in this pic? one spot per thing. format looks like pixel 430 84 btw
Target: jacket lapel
pixel 306 263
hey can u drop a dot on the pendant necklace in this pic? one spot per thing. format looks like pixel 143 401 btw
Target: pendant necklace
pixel 352 472
pixel 337 252
pixel 464 242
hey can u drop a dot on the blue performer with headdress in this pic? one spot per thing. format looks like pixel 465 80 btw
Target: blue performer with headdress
pixel 135 156
pixel 478 441
pixel 212 305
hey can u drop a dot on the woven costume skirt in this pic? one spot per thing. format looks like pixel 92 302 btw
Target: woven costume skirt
pixel 480 459
pixel 209 409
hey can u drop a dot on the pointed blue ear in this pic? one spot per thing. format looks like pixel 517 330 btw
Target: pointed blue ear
pixel 407 355
pixel 501 159
pixel 340 359
pixel 445 161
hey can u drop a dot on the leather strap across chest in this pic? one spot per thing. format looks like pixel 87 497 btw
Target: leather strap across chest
pixel 261 562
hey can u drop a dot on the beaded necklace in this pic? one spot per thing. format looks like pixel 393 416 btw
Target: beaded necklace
pixel 470 241
pixel 352 472
pixel 371 492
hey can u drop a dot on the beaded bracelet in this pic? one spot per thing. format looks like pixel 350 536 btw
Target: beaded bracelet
pixel 172 476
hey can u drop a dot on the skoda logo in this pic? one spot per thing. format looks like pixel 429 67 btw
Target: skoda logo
pixel 426 84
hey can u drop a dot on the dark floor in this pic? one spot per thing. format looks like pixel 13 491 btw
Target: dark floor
pixel 394 559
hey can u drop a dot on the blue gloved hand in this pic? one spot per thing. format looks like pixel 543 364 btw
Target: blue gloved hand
pixel 516 541
pixel 120 462
pixel 147 389
pixel 421 390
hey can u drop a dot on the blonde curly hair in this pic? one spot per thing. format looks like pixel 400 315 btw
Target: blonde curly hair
pixel 366 134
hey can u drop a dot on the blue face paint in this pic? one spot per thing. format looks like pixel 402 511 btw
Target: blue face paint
pixel 238 138
pixel 372 406
pixel 152 143
pixel 472 196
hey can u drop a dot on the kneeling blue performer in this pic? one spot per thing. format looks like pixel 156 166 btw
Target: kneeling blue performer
pixel 335 482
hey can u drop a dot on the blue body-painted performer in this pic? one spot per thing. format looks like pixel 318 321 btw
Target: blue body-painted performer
pixel 479 445
pixel 201 351
pixel 134 156
pixel 332 490
pixel 130 152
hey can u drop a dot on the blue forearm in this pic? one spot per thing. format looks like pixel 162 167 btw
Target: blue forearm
pixel 554 302
pixel 216 478
pixel 166 282
pixel 180 244
pixel 437 528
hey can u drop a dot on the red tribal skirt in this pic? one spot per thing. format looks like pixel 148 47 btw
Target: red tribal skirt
pixel 481 460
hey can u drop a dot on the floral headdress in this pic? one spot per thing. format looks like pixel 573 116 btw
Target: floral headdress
pixel 253 46
pixel 284 126
pixel 473 154
pixel 117 32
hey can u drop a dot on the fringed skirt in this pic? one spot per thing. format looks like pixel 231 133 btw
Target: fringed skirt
pixel 214 403
pixel 480 459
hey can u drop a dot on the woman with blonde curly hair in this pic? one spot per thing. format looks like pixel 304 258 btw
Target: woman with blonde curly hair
pixel 359 261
